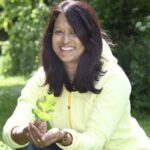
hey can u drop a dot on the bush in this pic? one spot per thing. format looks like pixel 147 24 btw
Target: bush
pixel 134 58
pixel 24 28
pixel 128 23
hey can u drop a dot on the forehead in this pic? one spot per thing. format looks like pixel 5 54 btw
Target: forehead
pixel 61 21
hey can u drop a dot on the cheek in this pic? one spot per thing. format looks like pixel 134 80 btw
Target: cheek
pixel 81 46
pixel 54 42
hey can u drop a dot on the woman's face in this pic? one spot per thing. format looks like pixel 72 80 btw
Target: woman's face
pixel 65 42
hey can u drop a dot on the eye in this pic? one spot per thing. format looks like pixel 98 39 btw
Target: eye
pixel 73 33
pixel 58 32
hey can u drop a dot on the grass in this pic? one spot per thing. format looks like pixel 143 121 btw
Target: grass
pixel 10 89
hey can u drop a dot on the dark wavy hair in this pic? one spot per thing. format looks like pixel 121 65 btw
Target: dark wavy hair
pixel 84 21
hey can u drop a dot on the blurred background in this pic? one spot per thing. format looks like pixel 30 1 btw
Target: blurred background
pixel 127 23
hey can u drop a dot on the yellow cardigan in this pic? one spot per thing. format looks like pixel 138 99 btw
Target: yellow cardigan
pixel 96 121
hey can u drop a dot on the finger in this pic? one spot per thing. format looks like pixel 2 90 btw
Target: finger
pixel 51 136
pixel 37 122
pixel 31 138
pixel 41 125
pixel 35 132
pixel 42 128
pixel 37 136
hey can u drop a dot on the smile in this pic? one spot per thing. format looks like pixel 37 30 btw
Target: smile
pixel 67 48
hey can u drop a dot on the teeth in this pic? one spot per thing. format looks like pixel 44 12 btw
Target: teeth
pixel 66 48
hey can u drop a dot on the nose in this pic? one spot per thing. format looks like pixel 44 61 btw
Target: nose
pixel 66 38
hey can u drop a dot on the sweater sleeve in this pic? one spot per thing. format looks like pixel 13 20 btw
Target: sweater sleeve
pixel 22 114
pixel 108 108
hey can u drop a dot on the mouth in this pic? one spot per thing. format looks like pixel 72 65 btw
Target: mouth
pixel 67 49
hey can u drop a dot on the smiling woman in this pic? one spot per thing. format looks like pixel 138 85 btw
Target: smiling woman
pixel 91 92
pixel 76 26
pixel 66 44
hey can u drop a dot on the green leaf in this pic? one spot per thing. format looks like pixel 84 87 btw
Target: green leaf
pixel 41 115
pixel 44 107
pixel 47 104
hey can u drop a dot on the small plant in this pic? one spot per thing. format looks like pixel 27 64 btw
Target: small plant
pixel 45 108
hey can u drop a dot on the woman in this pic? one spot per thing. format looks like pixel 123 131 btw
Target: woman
pixel 92 109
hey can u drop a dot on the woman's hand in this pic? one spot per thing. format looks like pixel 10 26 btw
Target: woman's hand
pixel 39 137
pixel 36 131
pixel 20 135
pixel 57 135
pixel 41 125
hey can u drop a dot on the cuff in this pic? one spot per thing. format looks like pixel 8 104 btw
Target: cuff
pixel 8 139
pixel 75 140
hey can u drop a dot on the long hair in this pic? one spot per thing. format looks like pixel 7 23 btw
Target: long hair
pixel 84 21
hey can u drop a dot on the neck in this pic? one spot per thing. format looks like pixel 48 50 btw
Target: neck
pixel 71 70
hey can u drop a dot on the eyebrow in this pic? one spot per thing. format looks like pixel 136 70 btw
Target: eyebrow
pixel 57 27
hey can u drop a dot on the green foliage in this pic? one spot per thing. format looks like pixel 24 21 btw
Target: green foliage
pixel 134 57
pixel 25 21
pixel 128 23
pixel 5 59
pixel 44 108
